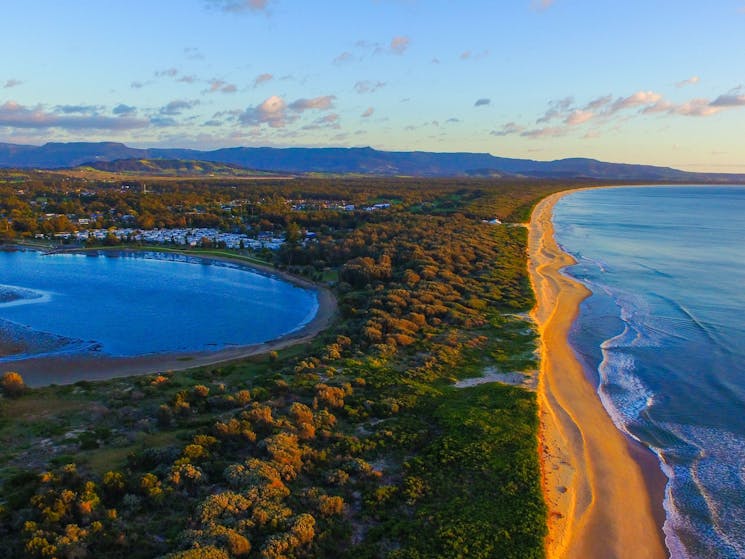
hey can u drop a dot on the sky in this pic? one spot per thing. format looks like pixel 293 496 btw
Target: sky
pixel 655 82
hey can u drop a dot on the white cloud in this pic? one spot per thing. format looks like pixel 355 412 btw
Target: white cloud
pixel 731 99
pixel 15 115
pixel 696 107
pixel 368 112
pixel 470 55
pixel 221 86
pixel 556 109
pixel 327 121
pixel 575 118
pixel 637 99
pixel 482 102
pixel 177 107
pixel 693 80
pixel 263 78
pixel 541 5
pixel 607 112
pixel 368 86
pixel 344 57
pixel 124 110
pixel 318 103
pixel 508 129
pixel 661 106
pixel 598 103
pixel 236 6
pixel 11 83
pixel 549 131
pixel 400 44
pixel 173 73
pixel 272 112
pixel 276 113
pixel 78 109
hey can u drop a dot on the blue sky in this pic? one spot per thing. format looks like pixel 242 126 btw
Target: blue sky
pixel 658 82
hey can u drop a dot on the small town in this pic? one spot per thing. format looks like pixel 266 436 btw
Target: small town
pixel 198 237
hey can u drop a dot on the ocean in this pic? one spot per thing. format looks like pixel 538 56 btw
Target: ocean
pixel 663 336
pixel 129 304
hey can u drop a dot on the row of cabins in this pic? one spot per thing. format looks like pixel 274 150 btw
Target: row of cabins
pixel 181 237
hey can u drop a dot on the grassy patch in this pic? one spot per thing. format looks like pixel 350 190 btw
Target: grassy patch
pixel 459 496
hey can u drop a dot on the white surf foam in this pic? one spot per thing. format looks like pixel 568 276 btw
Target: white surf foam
pixel 23 296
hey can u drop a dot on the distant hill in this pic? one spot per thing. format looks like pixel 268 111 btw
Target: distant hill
pixel 61 155
pixel 171 167
pixel 365 161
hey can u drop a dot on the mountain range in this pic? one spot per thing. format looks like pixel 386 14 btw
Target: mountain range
pixel 172 168
pixel 358 161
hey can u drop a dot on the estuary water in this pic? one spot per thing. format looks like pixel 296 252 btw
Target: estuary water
pixel 664 336
pixel 131 304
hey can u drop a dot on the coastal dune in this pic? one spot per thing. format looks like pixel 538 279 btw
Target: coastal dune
pixel 597 493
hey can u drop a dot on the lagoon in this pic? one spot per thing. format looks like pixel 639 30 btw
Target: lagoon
pixel 126 304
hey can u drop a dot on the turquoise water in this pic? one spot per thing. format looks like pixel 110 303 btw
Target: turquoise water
pixel 128 304
pixel 664 335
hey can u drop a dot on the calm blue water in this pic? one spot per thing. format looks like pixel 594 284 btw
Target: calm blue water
pixel 665 334
pixel 134 304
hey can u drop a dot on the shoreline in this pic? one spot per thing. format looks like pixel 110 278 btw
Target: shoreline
pixel 603 491
pixel 251 265
pixel 72 368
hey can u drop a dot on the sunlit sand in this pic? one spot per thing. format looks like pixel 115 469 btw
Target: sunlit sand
pixel 598 499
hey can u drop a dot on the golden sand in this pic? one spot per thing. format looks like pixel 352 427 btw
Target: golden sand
pixel 597 496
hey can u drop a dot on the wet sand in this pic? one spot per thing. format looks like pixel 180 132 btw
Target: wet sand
pixel 68 369
pixel 603 491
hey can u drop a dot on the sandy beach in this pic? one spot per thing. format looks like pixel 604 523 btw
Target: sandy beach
pixel 603 492
pixel 68 369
